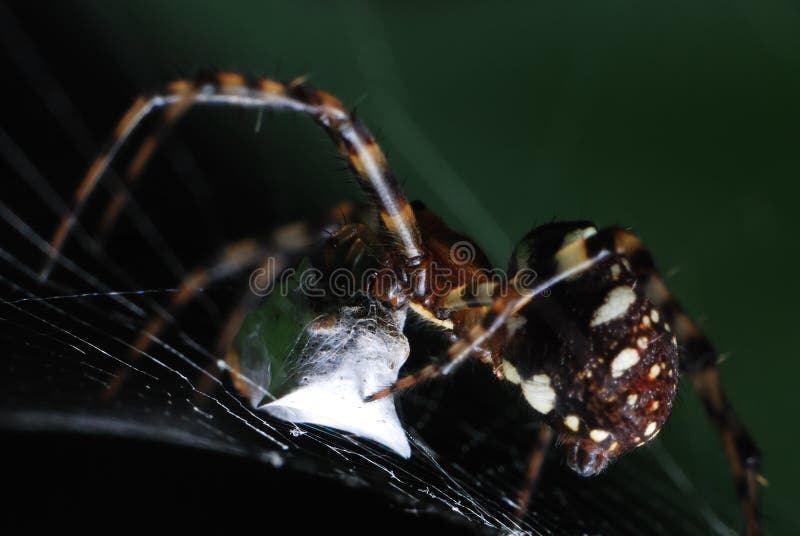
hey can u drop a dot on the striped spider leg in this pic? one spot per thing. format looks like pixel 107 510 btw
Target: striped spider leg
pixel 600 356
pixel 353 140
pixel 280 250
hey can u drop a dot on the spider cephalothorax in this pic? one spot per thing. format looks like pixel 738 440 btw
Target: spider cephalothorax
pixel 582 322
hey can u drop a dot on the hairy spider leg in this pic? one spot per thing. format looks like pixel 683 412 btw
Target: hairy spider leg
pixel 699 361
pixel 354 141
pixel 234 258
pixel 274 253
pixel 535 462
pixel 137 164
pixel 224 347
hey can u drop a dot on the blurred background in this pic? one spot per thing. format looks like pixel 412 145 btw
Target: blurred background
pixel 678 120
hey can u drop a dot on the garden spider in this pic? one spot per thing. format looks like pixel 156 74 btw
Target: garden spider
pixel 598 357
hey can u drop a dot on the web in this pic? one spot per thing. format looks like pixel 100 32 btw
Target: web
pixel 67 338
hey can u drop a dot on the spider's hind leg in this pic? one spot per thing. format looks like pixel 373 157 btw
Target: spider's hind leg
pixel 699 361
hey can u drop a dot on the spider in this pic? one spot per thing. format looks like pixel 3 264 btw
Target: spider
pixel 583 323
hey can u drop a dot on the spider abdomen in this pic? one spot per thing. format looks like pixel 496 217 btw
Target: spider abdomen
pixel 594 356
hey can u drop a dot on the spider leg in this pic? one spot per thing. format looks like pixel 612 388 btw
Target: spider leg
pixel 224 349
pixel 224 346
pixel 352 138
pixel 699 362
pixel 233 259
pixel 543 440
pixel 172 113
pixel 272 254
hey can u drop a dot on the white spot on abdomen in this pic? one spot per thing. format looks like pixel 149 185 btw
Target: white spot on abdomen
pixel 510 372
pixel 655 370
pixel 572 422
pixel 650 429
pixel 616 304
pixel 539 393
pixel 624 360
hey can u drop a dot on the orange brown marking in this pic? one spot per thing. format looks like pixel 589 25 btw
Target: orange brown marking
pixel 405 382
pixel 190 286
pixel 626 243
pixel 112 211
pixel 91 176
pixel 129 116
pixel 271 86
pixel 143 155
pixel 232 361
pixel 392 221
pixel 231 79
pixel 329 100
pixel 179 86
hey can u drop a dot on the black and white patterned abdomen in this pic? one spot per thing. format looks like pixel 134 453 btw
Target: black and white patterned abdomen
pixel 594 355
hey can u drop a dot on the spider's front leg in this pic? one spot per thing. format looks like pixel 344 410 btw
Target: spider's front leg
pixel 353 140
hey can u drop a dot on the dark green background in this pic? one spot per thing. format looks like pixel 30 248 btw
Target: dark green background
pixel 678 119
